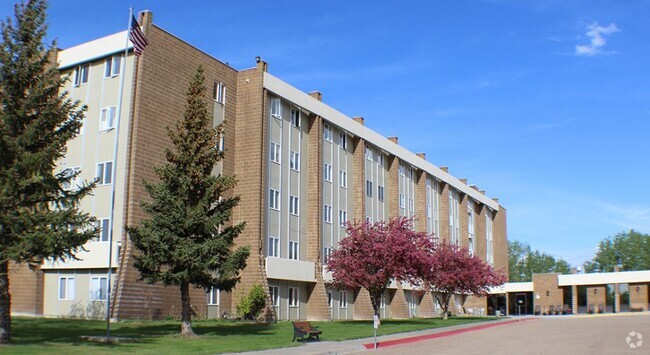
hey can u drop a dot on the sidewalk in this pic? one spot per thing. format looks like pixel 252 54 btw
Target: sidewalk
pixel 357 345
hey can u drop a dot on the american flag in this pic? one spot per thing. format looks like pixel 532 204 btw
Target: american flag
pixel 137 37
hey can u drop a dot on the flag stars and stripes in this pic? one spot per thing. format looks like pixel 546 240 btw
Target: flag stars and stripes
pixel 137 37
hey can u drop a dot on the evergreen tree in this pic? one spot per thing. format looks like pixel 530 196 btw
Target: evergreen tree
pixel 186 241
pixel 39 215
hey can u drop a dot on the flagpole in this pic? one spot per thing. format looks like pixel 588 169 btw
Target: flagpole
pixel 114 177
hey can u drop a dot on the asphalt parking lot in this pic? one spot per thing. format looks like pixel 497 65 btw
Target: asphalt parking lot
pixel 589 334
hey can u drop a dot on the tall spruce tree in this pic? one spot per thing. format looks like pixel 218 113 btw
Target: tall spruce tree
pixel 186 241
pixel 39 215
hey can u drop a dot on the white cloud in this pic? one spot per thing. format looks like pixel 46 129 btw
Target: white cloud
pixel 597 35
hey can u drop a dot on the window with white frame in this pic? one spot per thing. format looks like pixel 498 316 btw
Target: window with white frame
pixel 294 162
pixel 275 295
pixel 276 107
pixel 213 296
pixel 329 299
pixel 343 299
pixel 428 210
pixel 275 152
pixel 454 224
pixel 400 169
pixel 219 92
pixel 112 66
pixel 409 173
pixel 98 288
pixel 66 288
pixel 380 193
pixel 402 201
pixel 104 173
pixel 369 153
pixel 488 237
pixel 327 252
pixel 343 217
pixel 380 159
pixel 433 218
pixel 327 172
pixel 343 178
pixel 327 133
pixel 295 117
pixel 104 226
pixel 327 213
pixel 382 301
pixel 293 250
pixel 294 205
pixel 411 205
pixel 470 226
pixel 81 74
pixel 369 219
pixel 343 140
pixel 72 174
pixel 274 247
pixel 274 199
pixel 107 118
pixel 293 297
pixel 369 188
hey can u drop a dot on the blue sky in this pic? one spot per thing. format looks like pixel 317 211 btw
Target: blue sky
pixel 543 104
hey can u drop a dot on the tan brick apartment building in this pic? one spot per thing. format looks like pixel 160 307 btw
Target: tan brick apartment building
pixel 303 168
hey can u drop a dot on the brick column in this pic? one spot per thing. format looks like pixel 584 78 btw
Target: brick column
pixel 358 180
pixel 362 306
pixel 421 201
pixel 444 212
pixel 392 188
pixel 398 305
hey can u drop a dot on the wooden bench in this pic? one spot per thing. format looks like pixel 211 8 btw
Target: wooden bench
pixel 304 329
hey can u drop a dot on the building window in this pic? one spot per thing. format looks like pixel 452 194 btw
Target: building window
pixel 293 297
pixel 274 247
pixel 369 219
pixel 343 217
pixel 104 230
pixel 411 205
pixel 454 224
pixel 401 201
pixel 369 188
pixel 327 252
pixel 470 227
pixel 293 250
pixel 219 92
pixel 104 173
pixel 343 140
pixel 380 159
pixel 488 237
pixel 213 296
pixel 275 295
pixel 113 66
pixel 275 152
pixel 73 175
pixel 81 74
pixel 382 301
pixel 98 288
pixel 66 288
pixel 329 299
pixel 401 170
pixel 295 117
pixel 343 299
pixel 380 193
pixel 369 153
pixel 327 172
pixel 107 118
pixel 293 205
pixel 274 199
pixel 343 178
pixel 327 133
pixel 409 173
pixel 327 213
pixel 294 162
pixel 276 108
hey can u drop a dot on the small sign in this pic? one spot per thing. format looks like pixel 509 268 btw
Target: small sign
pixel 376 321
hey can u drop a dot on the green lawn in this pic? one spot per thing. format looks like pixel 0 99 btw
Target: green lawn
pixel 61 336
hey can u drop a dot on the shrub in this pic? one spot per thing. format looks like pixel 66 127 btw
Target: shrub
pixel 250 306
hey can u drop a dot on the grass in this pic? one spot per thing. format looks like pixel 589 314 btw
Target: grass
pixel 39 335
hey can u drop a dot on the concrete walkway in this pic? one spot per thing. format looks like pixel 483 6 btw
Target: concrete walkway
pixel 357 345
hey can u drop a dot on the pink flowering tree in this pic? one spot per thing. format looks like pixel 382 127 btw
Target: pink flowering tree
pixel 374 254
pixel 451 270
